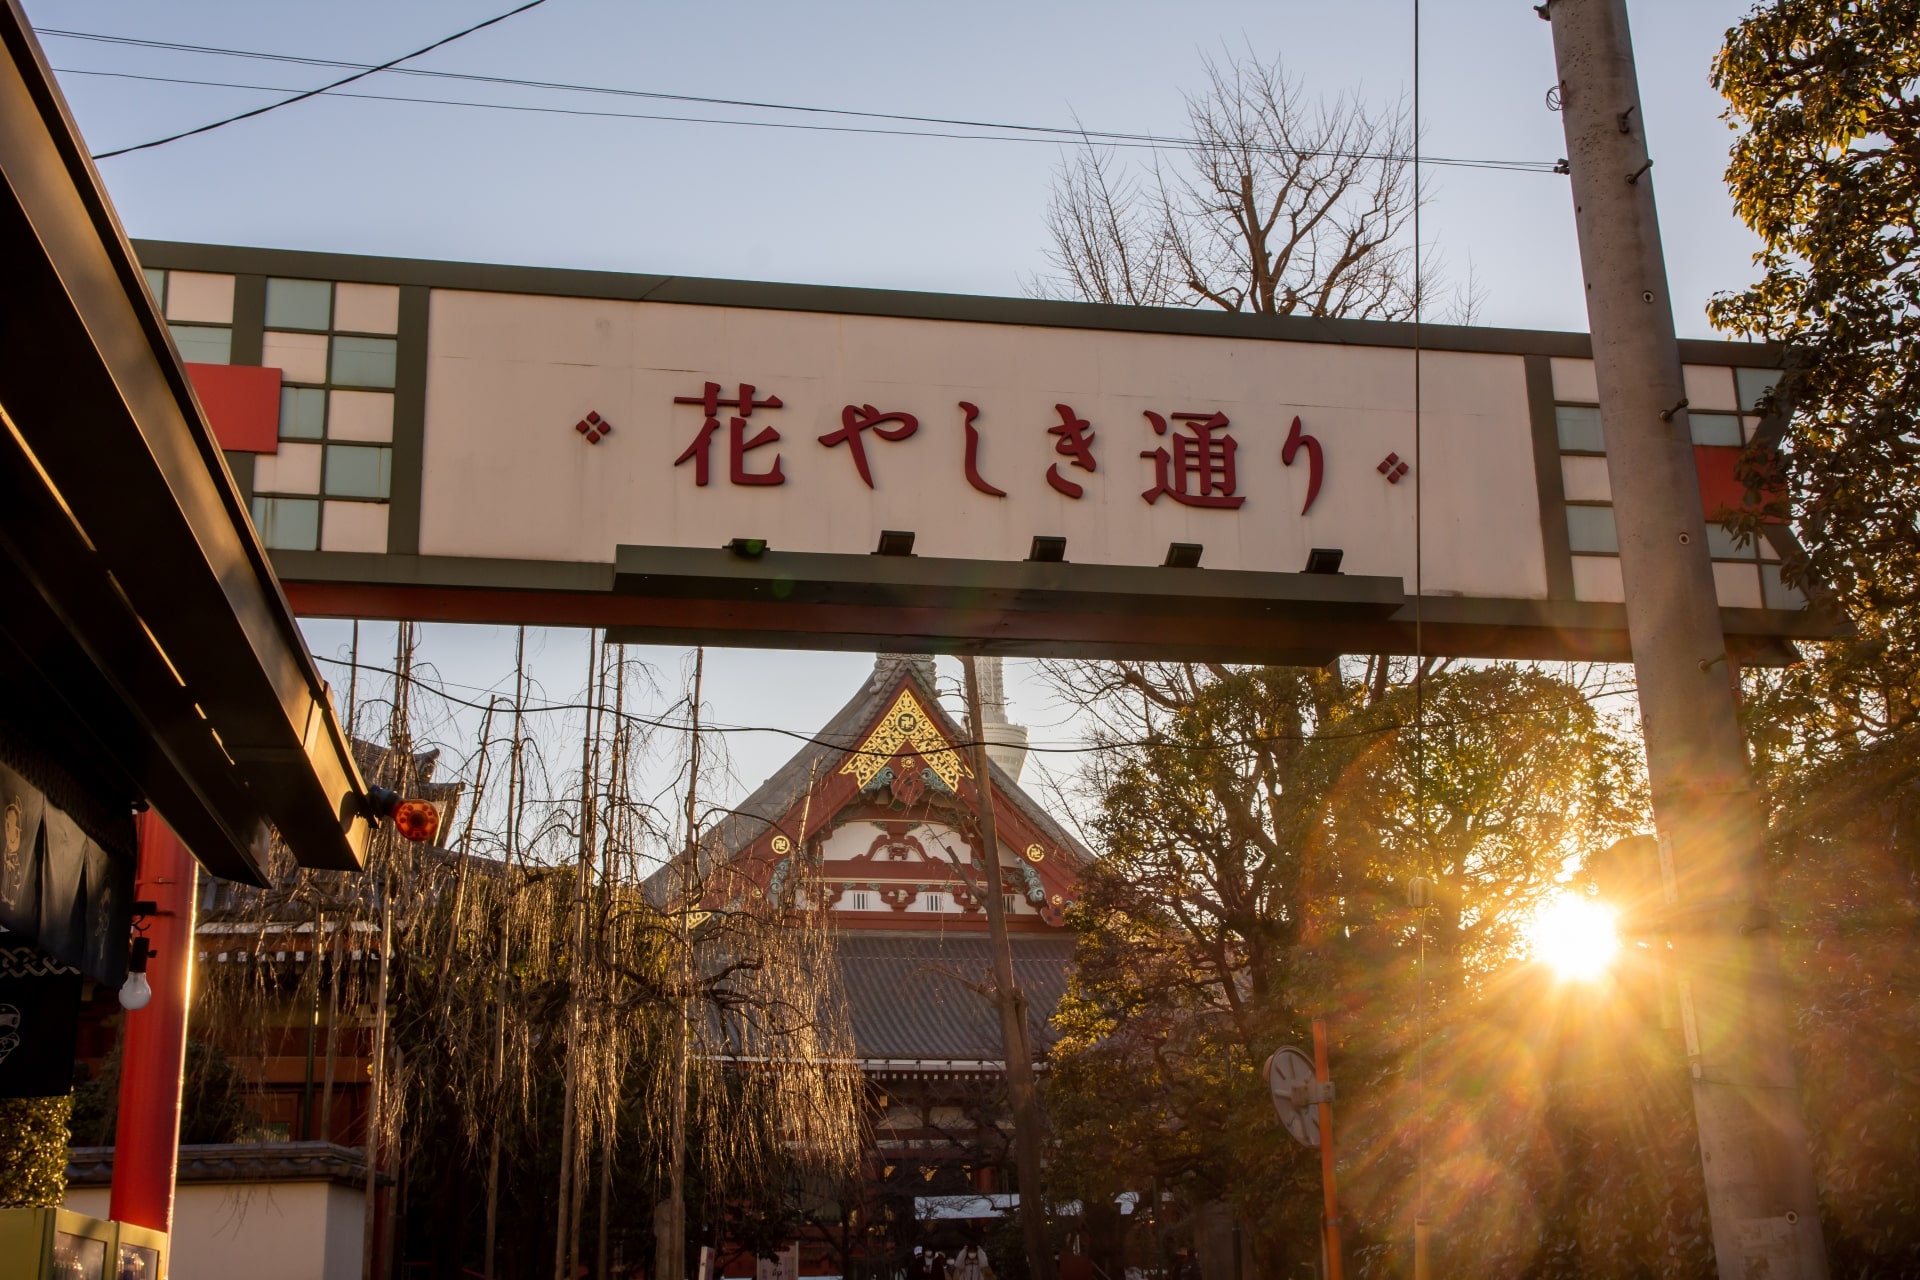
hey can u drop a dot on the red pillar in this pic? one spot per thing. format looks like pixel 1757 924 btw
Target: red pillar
pixel 154 1044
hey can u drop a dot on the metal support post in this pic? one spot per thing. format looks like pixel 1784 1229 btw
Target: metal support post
pixel 1330 1198
pixel 1753 1140
pixel 1012 1004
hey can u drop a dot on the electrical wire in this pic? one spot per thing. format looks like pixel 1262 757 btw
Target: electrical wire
pixel 1002 129
pixel 1419 691
pixel 678 726
pixel 303 95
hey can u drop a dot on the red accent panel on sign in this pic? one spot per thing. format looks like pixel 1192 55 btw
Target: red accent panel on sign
pixel 1720 485
pixel 242 404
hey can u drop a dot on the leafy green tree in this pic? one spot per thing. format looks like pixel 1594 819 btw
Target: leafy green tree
pixel 213 1100
pixel 1825 97
pixel 33 1152
pixel 1259 829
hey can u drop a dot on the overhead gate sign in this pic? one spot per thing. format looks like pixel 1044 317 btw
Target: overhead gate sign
pixel 761 464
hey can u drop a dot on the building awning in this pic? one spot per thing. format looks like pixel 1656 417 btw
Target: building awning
pixel 146 650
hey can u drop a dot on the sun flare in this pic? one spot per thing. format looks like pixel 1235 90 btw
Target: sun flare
pixel 1574 936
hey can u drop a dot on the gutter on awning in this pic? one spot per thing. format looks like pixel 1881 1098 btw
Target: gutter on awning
pixel 143 637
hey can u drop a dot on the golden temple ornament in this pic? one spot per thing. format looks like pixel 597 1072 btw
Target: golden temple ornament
pixel 907 724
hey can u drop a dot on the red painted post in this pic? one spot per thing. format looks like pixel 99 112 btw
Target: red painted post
pixel 153 1045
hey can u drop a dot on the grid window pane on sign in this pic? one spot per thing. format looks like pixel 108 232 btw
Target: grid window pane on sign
pixel 1715 428
pixel 1579 427
pixel 354 526
pixel 364 362
pixel 1722 545
pixel 303 413
pixel 203 343
pixel 299 304
pixel 1754 385
pixel 360 415
pixel 1777 593
pixel 300 357
pixel 366 308
pixel 200 297
pixel 1591 529
pixel 358 471
pixel 288 524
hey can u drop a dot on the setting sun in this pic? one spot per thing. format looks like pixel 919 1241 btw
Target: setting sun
pixel 1574 936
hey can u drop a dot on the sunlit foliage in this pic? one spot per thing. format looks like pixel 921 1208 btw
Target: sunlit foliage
pixel 1824 96
pixel 1260 830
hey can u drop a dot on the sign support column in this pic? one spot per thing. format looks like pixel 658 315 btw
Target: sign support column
pixel 1753 1140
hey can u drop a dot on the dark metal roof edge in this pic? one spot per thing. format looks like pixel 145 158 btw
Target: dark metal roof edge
pixel 899 303
pixel 23 48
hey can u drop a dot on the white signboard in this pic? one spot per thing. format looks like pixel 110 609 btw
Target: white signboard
pixel 559 428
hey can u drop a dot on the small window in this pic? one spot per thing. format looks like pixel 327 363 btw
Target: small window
pixel 79 1257
pixel 138 1262
pixel 1723 545
pixel 288 524
pixel 1777 593
pixel 299 304
pixel 364 362
pixel 1012 902
pixel 303 413
pixel 358 471
pixel 1591 529
pixel 1715 428
pixel 1754 384
pixel 203 343
pixel 857 900
pixel 934 902
pixel 1579 427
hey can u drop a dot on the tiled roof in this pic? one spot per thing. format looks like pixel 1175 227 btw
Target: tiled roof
pixel 845 731
pixel 908 999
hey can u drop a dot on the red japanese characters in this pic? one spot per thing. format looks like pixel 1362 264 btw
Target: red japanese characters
pixel 1195 463
pixel 1198 471
pixel 1315 462
pixel 856 420
pixel 1076 444
pixel 738 446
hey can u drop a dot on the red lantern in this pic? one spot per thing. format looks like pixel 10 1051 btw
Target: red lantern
pixel 416 820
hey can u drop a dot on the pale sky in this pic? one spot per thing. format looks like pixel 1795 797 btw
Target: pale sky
pixel 437 181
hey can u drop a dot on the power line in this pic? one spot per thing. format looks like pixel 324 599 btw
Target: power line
pixel 612 115
pixel 311 93
pixel 680 726
pixel 1001 129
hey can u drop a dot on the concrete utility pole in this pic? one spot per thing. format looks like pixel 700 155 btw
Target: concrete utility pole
pixel 1753 1140
pixel 1012 1004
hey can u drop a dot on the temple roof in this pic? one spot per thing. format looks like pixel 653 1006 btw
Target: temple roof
pixel 819 759
pixel 908 1002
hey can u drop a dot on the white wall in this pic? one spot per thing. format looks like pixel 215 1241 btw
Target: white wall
pixel 250 1231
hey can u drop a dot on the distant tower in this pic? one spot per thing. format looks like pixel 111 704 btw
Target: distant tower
pixel 1006 741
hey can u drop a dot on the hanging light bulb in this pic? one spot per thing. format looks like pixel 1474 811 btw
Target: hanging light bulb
pixel 136 992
